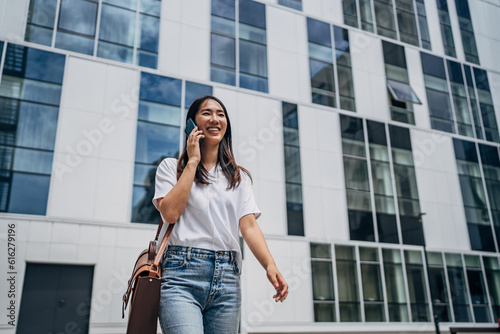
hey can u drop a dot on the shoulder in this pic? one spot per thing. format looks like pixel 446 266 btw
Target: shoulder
pixel 167 165
pixel 246 180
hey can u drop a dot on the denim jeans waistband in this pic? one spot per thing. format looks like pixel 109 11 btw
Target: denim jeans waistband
pixel 220 255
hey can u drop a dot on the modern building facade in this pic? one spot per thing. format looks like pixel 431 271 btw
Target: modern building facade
pixel 370 128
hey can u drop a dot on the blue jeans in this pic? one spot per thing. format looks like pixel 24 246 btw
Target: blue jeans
pixel 200 291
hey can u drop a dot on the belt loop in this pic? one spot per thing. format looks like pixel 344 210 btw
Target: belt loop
pixel 232 256
pixel 188 254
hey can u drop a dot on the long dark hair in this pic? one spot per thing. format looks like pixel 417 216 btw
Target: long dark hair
pixel 225 156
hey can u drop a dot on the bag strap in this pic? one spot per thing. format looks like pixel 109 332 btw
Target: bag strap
pixel 163 245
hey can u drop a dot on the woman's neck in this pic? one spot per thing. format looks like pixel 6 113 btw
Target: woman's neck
pixel 209 155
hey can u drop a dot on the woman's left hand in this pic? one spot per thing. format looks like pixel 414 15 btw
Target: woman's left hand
pixel 279 283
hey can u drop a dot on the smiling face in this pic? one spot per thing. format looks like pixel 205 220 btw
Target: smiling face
pixel 212 120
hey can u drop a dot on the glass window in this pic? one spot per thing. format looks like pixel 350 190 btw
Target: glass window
pixel 253 58
pixel 438 287
pixel 416 286
pixel 395 285
pixel 318 32
pixel 322 279
pixel 350 13
pixel 372 285
pixel 349 301
pixel 252 13
pixel 29 128
pixel 477 289
pixel 384 15
pixel 295 4
pixel 492 271
pixel 41 18
pixel 224 8
pixel 402 92
pixel 459 295
pixel 160 89
pixel 195 90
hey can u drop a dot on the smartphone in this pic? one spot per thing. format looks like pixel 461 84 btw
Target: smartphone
pixel 189 127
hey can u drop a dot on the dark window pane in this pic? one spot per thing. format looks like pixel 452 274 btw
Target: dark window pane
pixel 292 164
pixel 78 16
pixel 253 58
pixel 465 150
pixel 37 126
pixel 76 43
pixel 384 15
pixel 155 142
pixel 412 230
pixel 372 286
pixel 38 35
pixel 144 175
pixel 143 210
pixel 252 13
pixel 195 90
pixel 387 228
pixel 320 251
pixel 400 137
pixel 129 4
pixel 148 36
pixel 432 65
pixel 324 312
pixel 361 225
pixel 295 219
pixel 322 75
pixel 394 54
pixel 160 89
pixel 318 32
pixel 42 13
pixel 159 113
pixel 322 276
pixel 352 128
pixel 455 71
pixel 147 59
pixel 151 7
pixel 341 38
pixel 20 194
pixel 224 8
pixel 290 117
pixel 223 51
pixel 253 82
pixel 223 75
pixel 36 64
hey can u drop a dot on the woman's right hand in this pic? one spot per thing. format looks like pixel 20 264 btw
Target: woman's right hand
pixel 193 145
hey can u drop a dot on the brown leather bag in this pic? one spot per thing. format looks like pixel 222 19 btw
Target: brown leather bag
pixel 144 285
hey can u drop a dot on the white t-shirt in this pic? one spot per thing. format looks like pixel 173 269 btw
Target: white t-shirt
pixel 212 215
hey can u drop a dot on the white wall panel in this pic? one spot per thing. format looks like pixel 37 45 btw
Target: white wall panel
pixel 13 17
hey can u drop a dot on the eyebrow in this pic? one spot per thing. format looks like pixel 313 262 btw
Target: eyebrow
pixel 208 109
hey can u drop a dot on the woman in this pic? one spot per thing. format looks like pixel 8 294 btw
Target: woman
pixel 210 197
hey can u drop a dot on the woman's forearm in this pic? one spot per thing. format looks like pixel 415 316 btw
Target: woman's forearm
pixel 174 203
pixel 254 238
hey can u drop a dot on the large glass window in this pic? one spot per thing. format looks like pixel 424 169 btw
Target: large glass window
pixel 446 31
pixel 490 162
pixel 474 198
pixel 30 93
pixel 400 94
pixel 438 97
pixel 492 273
pixel 158 135
pixel 347 278
pixel 467 31
pixel 372 284
pixel 293 178
pixel 486 105
pixel 128 30
pixel 356 179
pixel 406 187
pixel 417 286
pixel 322 280
pixel 477 289
pixel 459 97
pixel 248 67
pixel 395 285
pixel 387 225
pixel 473 103
pixel 438 286
pixel 384 15
pixel 325 72
pixel 459 295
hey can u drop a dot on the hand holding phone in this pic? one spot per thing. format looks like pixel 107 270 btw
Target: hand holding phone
pixel 189 127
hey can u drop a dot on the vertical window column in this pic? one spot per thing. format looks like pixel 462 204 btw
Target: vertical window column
pixel 356 179
pixel 41 19
pixel 471 90
pixel 446 31
pixel 492 273
pixel 322 281
pixel 474 198
pixel 458 289
pixel 438 97
pixel 491 172
pixel 158 137
pixel 406 22
pixel 347 280
pixel 406 187
pixel 372 284
pixel 400 94
pixel 417 286
pixel 438 286
pixel 387 225
pixel 350 13
pixel 425 38
pixel 223 42
pixel 344 70
pixel 293 178
pixel 384 14
pixel 467 31
pixel 395 285
pixel 459 97
pixel 30 93
pixel 486 105
pixel 477 288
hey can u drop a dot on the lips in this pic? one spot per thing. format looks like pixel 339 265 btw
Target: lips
pixel 213 129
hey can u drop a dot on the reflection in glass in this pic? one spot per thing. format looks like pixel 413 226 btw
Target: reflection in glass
pixel 492 271
pixel 395 287
pixel 459 295
pixel 322 281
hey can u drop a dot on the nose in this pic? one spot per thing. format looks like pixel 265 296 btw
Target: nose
pixel 213 118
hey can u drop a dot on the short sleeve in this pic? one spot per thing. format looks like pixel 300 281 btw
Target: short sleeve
pixel 248 204
pixel 166 178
